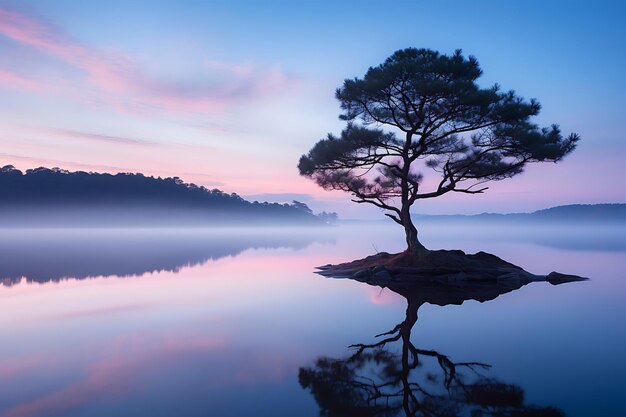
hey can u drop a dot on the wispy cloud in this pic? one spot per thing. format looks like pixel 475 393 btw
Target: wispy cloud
pixel 98 137
pixel 13 80
pixel 121 83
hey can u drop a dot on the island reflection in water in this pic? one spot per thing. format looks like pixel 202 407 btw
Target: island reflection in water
pixel 377 380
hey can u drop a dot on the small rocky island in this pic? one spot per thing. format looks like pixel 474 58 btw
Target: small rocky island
pixel 443 267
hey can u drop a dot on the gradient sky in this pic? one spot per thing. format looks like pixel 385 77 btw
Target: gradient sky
pixel 230 94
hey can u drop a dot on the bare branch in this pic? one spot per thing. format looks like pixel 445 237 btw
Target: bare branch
pixel 394 218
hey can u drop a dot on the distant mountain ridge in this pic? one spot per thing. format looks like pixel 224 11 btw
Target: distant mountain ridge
pixel 608 212
pixel 52 195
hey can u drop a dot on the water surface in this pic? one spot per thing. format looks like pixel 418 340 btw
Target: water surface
pixel 223 322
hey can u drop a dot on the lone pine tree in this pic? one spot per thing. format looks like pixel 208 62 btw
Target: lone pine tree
pixel 422 111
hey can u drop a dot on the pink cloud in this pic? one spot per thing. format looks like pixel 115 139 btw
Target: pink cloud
pixel 123 85
pixel 17 81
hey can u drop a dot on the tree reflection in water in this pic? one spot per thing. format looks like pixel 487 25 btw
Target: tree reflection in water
pixel 387 379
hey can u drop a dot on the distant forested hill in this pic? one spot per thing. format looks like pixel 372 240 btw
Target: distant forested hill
pixel 582 212
pixel 45 196
pixel 573 213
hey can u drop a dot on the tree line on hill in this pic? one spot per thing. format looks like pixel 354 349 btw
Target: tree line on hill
pixel 56 191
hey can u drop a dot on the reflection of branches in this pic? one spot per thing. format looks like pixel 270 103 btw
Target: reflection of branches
pixel 447 366
pixel 378 381
pixel 361 347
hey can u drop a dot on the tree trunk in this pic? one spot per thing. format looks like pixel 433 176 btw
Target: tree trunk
pixel 413 244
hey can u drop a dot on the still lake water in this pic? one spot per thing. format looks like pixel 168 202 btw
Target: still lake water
pixel 223 322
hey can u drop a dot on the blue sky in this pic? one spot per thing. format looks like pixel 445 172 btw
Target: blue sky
pixel 229 94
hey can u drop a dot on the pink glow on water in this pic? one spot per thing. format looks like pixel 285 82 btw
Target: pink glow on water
pixel 11 367
pixel 124 360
